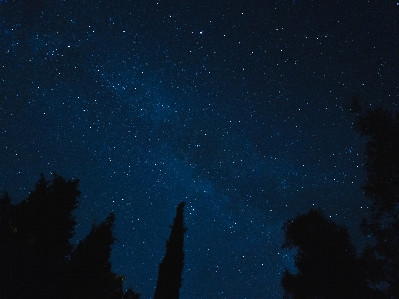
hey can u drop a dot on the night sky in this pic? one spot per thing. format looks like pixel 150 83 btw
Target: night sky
pixel 239 108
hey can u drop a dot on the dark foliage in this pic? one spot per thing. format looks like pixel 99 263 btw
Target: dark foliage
pixel 37 259
pixel 5 219
pixel 381 260
pixel 171 267
pixel 34 255
pixel 47 216
pixel 6 234
pixel 325 259
pixel 90 269
pixel 131 295
pixel 381 159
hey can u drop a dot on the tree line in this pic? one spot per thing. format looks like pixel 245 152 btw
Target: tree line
pixel 328 266
pixel 37 259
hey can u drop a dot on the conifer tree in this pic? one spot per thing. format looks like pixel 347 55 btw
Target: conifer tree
pixel 35 258
pixel 90 270
pixel 170 269
pixel 45 219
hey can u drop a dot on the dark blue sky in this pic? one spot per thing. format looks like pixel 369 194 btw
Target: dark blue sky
pixel 239 109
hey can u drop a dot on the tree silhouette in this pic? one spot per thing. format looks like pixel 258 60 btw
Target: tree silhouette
pixel 5 242
pixel 38 247
pixel 131 295
pixel 381 260
pixel 36 257
pixel 90 270
pixel 45 219
pixel 170 269
pixel 325 259
pixel 381 159
pixel 5 219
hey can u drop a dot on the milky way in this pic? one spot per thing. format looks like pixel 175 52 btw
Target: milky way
pixel 241 110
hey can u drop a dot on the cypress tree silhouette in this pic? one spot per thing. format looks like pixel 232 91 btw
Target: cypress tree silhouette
pixel 170 269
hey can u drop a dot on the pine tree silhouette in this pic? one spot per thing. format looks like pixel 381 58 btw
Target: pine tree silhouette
pixel 170 269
